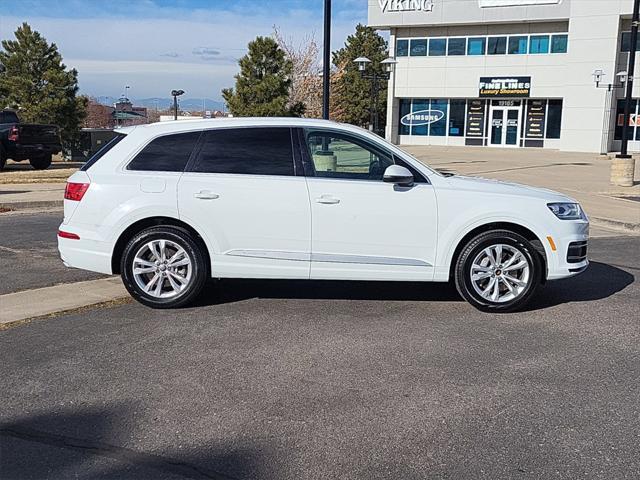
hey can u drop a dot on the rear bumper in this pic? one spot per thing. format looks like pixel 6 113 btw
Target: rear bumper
pixel 24 152
pixel 86 253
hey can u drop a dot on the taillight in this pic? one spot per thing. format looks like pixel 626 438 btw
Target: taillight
pixel 75 191
pixel 13 134
pixel 69 235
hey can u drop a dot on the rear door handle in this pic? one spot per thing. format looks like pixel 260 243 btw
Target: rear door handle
pixel 206 195
pixel 327 199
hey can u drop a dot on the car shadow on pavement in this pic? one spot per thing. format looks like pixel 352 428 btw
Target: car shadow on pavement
pixel 97 442
pixel 235 290
pixel 599 281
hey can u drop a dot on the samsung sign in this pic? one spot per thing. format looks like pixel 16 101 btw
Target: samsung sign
pixel 422 117
pixel 406 5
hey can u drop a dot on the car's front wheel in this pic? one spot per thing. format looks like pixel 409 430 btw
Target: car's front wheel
pixel 498 271
pixel 164 267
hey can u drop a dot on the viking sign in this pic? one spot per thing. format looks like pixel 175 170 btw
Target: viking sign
pixel 422 117
pixel 406 5
pixel 505 86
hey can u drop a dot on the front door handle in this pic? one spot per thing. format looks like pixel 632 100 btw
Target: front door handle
pixel 327 199
pixel 206 195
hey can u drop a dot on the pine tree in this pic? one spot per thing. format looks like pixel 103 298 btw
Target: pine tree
pixel 34 80
pixel 352 94
pixel 263 84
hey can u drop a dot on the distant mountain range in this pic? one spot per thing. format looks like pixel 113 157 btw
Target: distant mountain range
pixel 187 104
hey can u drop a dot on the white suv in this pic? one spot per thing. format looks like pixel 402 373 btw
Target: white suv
pixel 172 204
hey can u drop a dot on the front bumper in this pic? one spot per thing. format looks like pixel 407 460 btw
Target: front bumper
pixel 570 239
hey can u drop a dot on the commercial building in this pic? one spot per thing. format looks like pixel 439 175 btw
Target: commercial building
pixel 514 73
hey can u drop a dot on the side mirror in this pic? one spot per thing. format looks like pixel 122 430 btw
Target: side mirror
pixel 399 175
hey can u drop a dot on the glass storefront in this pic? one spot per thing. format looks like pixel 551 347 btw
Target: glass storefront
pixel 501 122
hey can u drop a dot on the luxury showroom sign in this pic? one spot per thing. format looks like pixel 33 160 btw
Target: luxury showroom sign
pixel 406 5
pixel 505 87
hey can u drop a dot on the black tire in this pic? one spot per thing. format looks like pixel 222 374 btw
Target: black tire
pixel 514 243
pixel 3 158
pixel 199 270
pixel 41 162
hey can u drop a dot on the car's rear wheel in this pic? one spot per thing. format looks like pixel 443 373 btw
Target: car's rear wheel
pixel 498 271
pixel 41 162
pixel 164 267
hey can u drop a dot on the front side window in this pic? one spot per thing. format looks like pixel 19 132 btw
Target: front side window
pixel 169 153
pixel 518 45
pixel 247 151
pixel 476 46
pixel 335 155
pixel 418 47
pixel 457 46
pixel 437 47
pixel 539 44
pixel 402 48
pixel 497 45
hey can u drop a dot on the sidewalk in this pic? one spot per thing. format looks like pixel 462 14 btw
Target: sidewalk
pixel 583 176
pixel 19 196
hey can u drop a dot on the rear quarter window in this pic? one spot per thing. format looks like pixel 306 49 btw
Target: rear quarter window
pixel 169 153
pixel 102 152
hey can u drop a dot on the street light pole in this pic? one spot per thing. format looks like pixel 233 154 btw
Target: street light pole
pixel 375 77
pixel 175 94
pixel 326 67
pixel 632 65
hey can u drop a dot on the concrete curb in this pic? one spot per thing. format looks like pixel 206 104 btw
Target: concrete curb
pixel 616 225
pixel 48 300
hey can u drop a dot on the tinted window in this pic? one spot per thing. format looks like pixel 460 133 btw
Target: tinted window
pixel 476 46
pixel 497 45
pixel 559 43
pixel 457 117
pixel 539 44
pixel 102 151
pixel 402 48
pixel 8 117
pixel 248 151
pixel 338 156
pixel 457 46
pixel 518 45
pixel 419 47
pixel 437 47
pixel 554 118
pixel 169 153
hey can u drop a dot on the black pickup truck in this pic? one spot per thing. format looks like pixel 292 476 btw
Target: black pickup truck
pixel 26 141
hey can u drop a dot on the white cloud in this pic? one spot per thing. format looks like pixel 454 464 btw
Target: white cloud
pixel 199 49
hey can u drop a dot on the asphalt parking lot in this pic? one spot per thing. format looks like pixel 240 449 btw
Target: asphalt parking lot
pixel 267 379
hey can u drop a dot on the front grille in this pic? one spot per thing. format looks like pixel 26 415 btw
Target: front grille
pixel 577 252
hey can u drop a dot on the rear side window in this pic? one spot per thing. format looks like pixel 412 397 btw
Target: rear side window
pixel 248 151
pixel 102 151
pixel 169 153
pixel 8 117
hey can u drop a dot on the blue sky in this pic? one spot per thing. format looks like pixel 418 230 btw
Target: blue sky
pixel 157 45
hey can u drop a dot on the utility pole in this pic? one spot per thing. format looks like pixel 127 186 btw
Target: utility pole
pixel 326 67
pixel 632 65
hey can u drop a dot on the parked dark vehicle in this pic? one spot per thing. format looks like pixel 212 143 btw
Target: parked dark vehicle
pixel 26 141
pixel 89 142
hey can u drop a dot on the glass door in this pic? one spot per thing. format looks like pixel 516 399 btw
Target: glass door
pixel 505 127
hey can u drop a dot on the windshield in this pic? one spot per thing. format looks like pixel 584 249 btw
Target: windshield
pixel 101 153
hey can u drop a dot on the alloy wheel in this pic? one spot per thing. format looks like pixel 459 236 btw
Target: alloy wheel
pixel 500 273
pixel 162 268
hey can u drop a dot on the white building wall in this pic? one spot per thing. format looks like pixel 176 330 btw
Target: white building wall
pixel 593 27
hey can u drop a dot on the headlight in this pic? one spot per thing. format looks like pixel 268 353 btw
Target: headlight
pixel 566 211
